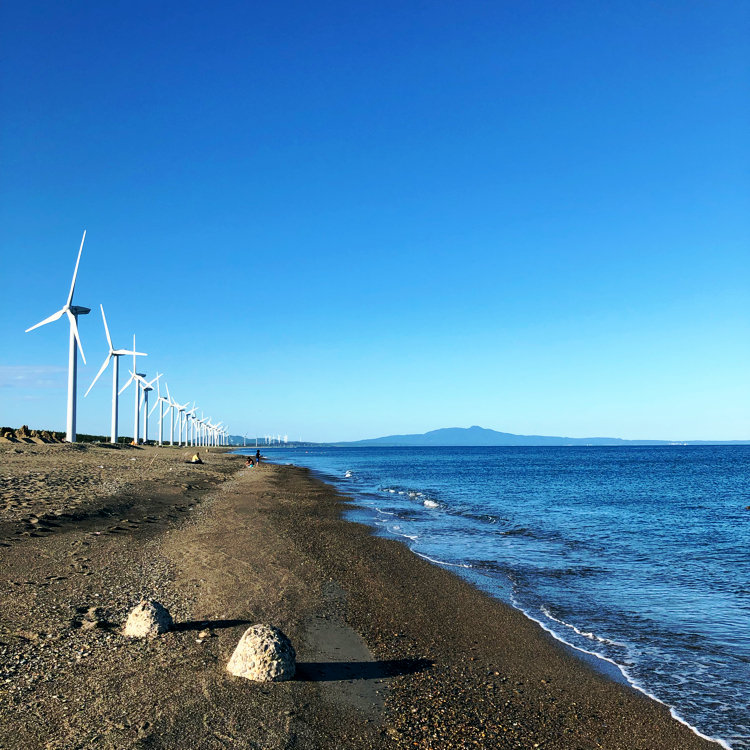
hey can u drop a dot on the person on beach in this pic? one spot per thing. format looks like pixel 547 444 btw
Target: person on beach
pixel 257 456
pixel 196 459
pixel 249 462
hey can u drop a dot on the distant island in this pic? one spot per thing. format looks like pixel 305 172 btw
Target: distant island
pixel 481 436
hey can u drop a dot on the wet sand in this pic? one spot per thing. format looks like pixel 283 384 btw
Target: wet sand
pixel 392 651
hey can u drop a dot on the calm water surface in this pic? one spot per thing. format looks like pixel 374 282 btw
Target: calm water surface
pixel 640 556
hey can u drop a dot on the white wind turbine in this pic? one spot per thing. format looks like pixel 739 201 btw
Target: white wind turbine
pixel 198 430
pixel 72 311
pixel 136 385
pixel 189 426
pixel 209 432
pixel 160 401
pixel 146 387
pixel 115 355
pixel 174 409
pixel 180 420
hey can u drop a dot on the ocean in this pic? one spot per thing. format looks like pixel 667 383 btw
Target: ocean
pixel 639 556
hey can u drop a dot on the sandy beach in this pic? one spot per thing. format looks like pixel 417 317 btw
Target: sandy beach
pixel 392 652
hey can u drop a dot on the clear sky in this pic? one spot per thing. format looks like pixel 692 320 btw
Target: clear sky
pixel 340 220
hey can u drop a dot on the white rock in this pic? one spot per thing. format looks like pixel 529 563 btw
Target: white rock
pixel 264 654
pixel 147 619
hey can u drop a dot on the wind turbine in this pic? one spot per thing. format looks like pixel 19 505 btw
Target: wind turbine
pixel 175 409
pixel 189 430
pixel 72 311
pixel 134 380
pixel 172 407
pixel 199 430
pixel 160 401
pixel 180 420
pixel 146 386
pixel 115 355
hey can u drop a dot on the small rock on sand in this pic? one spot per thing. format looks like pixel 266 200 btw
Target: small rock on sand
pixel 147 619
pixel 264 654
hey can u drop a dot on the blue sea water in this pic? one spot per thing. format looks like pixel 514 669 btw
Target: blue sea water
pixel 640 556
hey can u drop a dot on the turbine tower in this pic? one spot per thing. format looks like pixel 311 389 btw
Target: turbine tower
pixel 114 355
pixel 72 311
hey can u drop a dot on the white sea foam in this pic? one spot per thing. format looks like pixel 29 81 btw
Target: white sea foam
pixel 442 562
pixel 396 531
pixel 430 504
pixel 584 633
pixel 348 475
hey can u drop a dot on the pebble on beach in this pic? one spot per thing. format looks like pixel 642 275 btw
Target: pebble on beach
pixel 147 619
pixel 264 654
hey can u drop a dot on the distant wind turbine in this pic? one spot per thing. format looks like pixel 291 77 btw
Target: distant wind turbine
pixel 173 408
pixel 115 355
pixel 146 387
pixel 72 311
pixel 136 385
pixel 180 420
pixel 189 427
pixel 160 401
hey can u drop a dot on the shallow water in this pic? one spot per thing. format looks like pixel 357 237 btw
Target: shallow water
pixel 637 555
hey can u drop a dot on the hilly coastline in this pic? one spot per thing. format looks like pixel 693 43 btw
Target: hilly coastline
pixel 481 436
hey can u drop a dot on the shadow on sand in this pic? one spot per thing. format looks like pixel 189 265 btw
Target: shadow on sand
pixel 329 671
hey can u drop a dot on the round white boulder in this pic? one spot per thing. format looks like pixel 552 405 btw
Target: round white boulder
pixel 264 654
pixel 147 619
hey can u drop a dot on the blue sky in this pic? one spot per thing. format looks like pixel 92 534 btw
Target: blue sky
pixel 342 220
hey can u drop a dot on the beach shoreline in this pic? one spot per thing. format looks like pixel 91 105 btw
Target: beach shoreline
pixel 392 650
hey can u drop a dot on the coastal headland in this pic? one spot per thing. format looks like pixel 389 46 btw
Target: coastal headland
pixel 392 651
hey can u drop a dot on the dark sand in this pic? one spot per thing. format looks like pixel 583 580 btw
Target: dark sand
pixel 392 651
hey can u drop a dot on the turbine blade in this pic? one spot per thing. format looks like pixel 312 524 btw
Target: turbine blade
pixel 75 273
pixel 106 329
pixel 167 387
pixel 101 370
pixel 74 326
pixel 129 351
pixel 119 393
pixel 51 318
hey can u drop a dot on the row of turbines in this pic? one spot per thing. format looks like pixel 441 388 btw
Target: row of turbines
pixel 276 439
pixel 190 430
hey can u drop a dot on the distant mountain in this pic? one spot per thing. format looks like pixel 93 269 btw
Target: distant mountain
pixel 480 436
